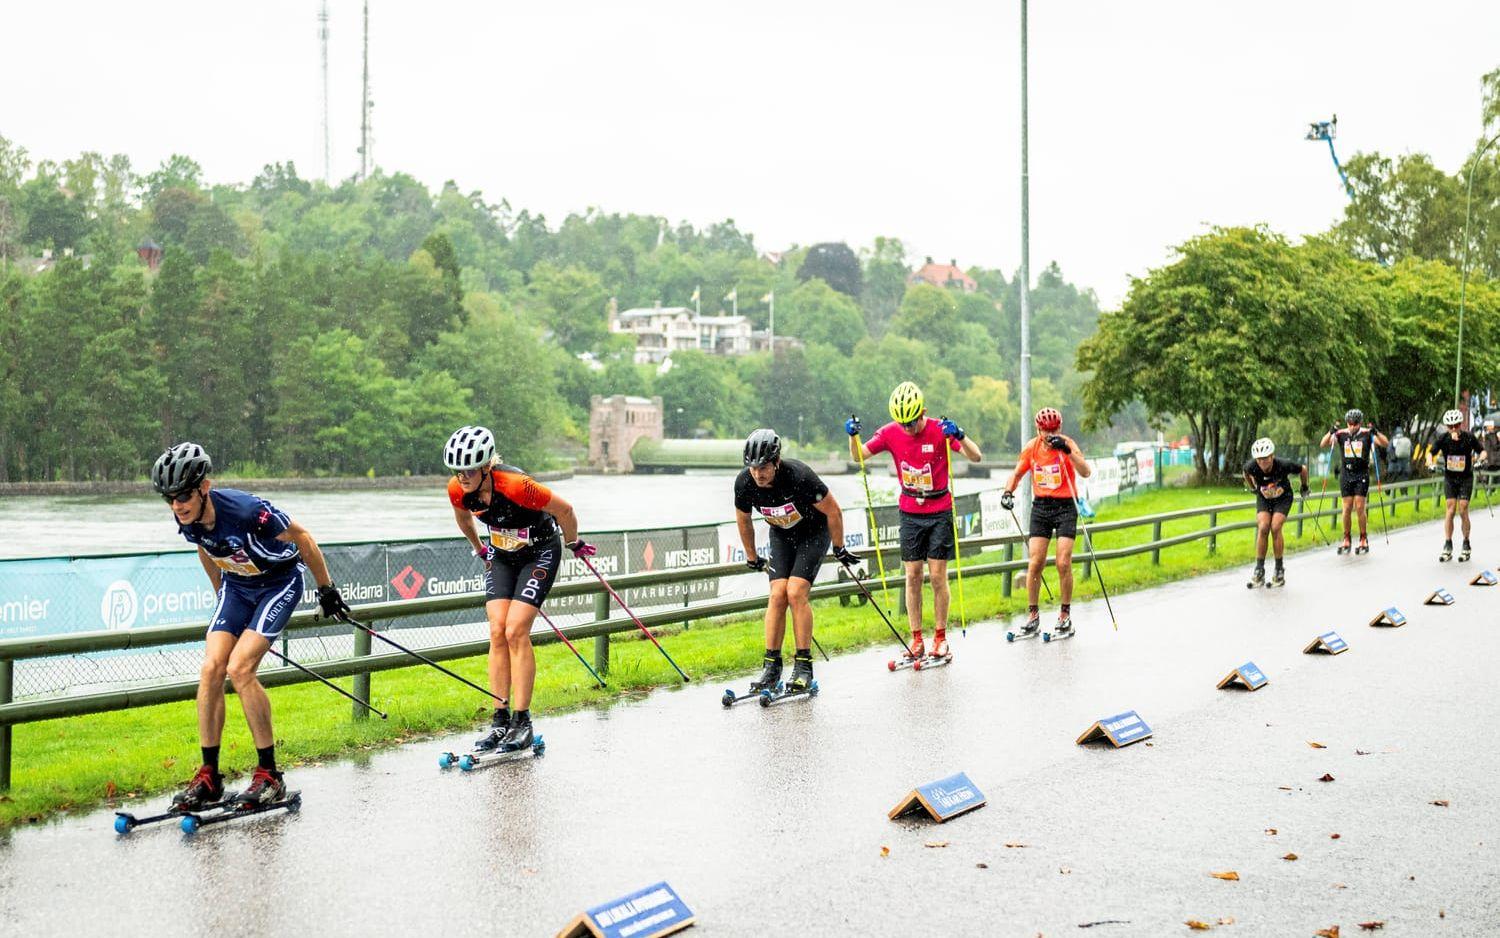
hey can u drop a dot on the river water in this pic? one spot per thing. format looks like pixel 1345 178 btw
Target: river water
pixel 49 526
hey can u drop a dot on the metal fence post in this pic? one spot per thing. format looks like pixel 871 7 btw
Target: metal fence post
pixel 1007 576
pixel 601 642
pixel 7 670
pixel 1213 539
pixel 1156 551
pixel 361 681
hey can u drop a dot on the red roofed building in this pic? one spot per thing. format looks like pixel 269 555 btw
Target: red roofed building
pixel 943 275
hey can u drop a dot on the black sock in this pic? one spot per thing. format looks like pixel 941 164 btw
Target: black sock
pixel 266 757
pixel 773 654
pixel 1033 609
pixel 804 654
pixel 1066 608
pixel 521 718
pixel 211 757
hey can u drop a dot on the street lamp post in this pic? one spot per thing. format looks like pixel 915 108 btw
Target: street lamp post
pixel 1463 275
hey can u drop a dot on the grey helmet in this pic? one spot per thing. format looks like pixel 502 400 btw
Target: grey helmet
pixel 1354 415
pixel 180 468
pixel 469 448
pixel 761 447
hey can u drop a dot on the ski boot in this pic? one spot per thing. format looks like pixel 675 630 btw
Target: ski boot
pixel 916 652
pixel 1463 552
pixel 206 787
pixel 517 737
pixel 1257 578
pixel 1064 626
pixel 499 723
pixel 940 649
pixel 802 675
pixel 1279 577
pixel 266 787
pixel 1447 553
pixel 1031 629
pixel 769 678
pixel 1343 547
pixel 1364 545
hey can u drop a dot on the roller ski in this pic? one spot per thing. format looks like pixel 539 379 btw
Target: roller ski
pixel 909 658
pixel 1344 547
pixel 1463 553
pixel 205 792
pixel 1364 546
pixel 1063 629
pixel 266 792
pixel 1258 577
pixel 1031 629
pixel 500 744
pixel 800 685
pixel 1447 553
pixel 770 679
pixel 1279 577
pixel 940 657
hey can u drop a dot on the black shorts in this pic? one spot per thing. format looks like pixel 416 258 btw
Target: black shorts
pixel 1458 488
pixel 927 536
pixel 1280 505
pixel 798 555
pixel 524 577
pixel 1049 515
pixel 1352 484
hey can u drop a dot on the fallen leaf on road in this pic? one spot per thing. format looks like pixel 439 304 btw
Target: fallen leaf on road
pixel 1334 836
pixel 1441 802
pixel 1064 870
pixel 1271 831
pixel 1326 778
pixel 1371 926
pixel 1339 886
pixel 1442 914
pixel 1014 846
pixel 885 851
pixel 1316 745
pixel 1196 925
pixel 982 866
pixel 1331 931
pixel 1290 856
pixel 936 843
pixel 1284 787
pixel 1227 920
pixel 1360 752
pixel 1230 875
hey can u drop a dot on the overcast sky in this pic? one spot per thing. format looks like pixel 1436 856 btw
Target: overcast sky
pixel 804 121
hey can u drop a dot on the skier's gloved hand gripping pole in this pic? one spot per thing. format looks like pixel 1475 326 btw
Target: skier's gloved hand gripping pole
pixel 951 429
pixel 852 426
pixel 583 552
pixel 1008 502
pixel 1088 541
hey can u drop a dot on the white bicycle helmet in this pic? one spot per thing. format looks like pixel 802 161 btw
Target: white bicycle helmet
pixel 1453 418
pixel 469 448
pixel 1262 448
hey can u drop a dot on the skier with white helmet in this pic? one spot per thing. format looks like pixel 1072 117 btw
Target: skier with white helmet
pixel 528 526
pixel 1456 449
pixel 253 555
pixel 1354 445
pixel 1271 478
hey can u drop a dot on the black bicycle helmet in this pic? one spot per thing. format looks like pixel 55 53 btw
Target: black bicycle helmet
pixel 761 447
pixel 180 468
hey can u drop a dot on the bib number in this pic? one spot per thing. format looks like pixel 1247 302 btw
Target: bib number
pixel 510 539
pixel 1272 491
pixel 782 516
pixel 1354 449
pixel 1457 463
pixel 916 479
pixel 240 563
pixel 1047 478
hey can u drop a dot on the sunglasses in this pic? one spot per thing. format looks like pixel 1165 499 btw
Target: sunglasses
pixel 181 498
pixel 467 473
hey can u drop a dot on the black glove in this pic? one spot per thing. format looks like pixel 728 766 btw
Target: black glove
pixel 331 602
pixel 1058 443
pixel 1007 500
pixel 1304 490
pixel 758 564
pixel 842 555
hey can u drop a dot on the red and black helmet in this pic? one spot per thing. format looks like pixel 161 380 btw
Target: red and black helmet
pixel 1048 419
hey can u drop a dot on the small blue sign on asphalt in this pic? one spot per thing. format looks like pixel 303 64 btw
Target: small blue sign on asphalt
pixel 1485 578
pixel 1122 729
pixel 1247 675
pixel 1389 617
pixel 647 913
pixel 1329 643
pixel 1440 597
pixel 944 799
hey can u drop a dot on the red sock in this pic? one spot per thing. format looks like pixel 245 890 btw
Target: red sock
pixel 939 636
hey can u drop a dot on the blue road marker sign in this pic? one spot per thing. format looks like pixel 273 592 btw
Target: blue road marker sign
pixel 1439 597
pixel 1329 643
pixel 1122 729
pixel 944 799
pixel 1246 675
pixel 647 913
pixel 1389 617
pixel 1485 578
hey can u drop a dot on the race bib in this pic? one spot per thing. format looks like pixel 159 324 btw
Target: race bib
pixel 1046 478
pixel 1458 463
pixel 510 539
pixel 239 562
pixel 915 479
pixel 1272 490
pixel 1354 449
pixel 781 516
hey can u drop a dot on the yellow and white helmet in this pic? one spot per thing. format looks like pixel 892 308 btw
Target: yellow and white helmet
pixel 906 402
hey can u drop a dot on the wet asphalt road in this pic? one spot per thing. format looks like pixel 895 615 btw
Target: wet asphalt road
pixel 775 820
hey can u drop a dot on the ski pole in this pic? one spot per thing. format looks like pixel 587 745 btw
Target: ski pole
pixel 859 448
pixel 633 617
pixel 1028 548
pixel 595 674
pixel 350 620
pixel 1324 490
pixel 958 552
pixel 1067 460
pixel 1380 491
pixel 861 584
pixel 820 649
pixel 315 675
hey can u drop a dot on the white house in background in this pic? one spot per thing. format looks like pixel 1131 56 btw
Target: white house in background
pixel 662 330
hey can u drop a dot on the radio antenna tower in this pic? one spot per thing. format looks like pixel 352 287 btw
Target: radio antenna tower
pixel 365 104
pixel 323 39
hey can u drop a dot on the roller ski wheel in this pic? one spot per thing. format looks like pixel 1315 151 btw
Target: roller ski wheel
pixel 446 760
pixel 909 658
pixel 1447 553
pixel 767 698
pixel 730 698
